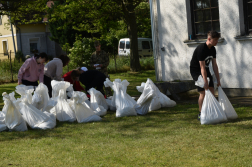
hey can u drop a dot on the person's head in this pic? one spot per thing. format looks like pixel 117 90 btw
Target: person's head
pixel 213 37
pixel 97 46
pixel 75 75
pixel 41 58
pixel 65 59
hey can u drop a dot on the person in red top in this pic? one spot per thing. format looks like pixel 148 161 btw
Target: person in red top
pixel 76 84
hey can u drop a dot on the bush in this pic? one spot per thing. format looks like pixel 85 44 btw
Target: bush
pixel 123 64
pixel 5 70
pixel 19 56
pixel 80 53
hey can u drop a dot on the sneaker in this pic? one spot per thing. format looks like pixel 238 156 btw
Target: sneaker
pixel 199 116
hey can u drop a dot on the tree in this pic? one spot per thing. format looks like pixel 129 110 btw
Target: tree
pixel 98 16
pixel 62 30
pixel 25 11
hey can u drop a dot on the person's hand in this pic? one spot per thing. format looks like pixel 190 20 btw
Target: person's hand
pixel 19 83
pixel 218 84
pixel 206 86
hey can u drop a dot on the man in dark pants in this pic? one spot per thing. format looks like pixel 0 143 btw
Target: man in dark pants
pixel 202 56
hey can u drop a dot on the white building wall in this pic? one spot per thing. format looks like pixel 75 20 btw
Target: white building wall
pixel 234 57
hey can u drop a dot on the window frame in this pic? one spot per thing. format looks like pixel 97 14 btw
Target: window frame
pixel 246 16
pixel 193 9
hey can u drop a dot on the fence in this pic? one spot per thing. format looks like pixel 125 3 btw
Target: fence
pixel 4 56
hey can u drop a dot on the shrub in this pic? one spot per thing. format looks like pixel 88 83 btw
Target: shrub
pixel 19 56
pixel 80 53
pixel 123 64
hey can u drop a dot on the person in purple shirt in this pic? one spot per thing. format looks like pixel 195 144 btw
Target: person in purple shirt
pixel 32 70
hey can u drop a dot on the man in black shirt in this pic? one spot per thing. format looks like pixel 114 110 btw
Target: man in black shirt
pixel 202 56
pixel 90 78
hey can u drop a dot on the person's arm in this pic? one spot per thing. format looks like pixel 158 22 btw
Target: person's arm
pixel 41 76
pixel 204 73
pixel 22 70
pixel 216 72
pixel 77 86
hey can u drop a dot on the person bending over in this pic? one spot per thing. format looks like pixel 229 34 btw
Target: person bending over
pixel 202 56
pixel 53 71
pixel 91 79
pixel 32 70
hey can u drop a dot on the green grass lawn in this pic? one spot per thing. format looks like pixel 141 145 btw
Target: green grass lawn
pixel 167 137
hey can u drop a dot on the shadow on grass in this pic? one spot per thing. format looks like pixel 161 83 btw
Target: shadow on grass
pixel 164 121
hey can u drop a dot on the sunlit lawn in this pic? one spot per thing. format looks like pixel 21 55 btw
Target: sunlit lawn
pixel 167 137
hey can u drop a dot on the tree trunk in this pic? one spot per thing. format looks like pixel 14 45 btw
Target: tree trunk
pixel 132 30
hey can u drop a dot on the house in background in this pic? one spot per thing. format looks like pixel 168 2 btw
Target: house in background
pixel 29 38
pixel 178 27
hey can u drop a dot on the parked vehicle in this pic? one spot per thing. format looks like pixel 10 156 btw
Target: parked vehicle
pixel 145 48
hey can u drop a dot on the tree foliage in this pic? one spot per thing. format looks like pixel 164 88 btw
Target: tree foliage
pixel 80 53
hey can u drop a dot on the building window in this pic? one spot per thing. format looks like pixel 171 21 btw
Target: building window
pixel 1 18
pixel 34 45
pixel 205 17
pixel 248 16
pixel 5 47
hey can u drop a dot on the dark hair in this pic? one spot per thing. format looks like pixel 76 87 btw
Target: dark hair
pixel 65 59
pixel 213 34
pixel 42 55
pixel 75 74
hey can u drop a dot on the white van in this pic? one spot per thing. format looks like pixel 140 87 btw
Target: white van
pixel 145 48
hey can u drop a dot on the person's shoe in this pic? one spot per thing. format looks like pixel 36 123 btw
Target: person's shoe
pixel 199 116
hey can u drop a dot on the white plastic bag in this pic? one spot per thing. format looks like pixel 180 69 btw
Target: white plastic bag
pixel 166 101
pixel 13 118
pixel 144 101
pixel 124 106
pixel 108 83
pixel 211 112
pixel 226 105
pixel 140 88
pixel 2 122
pixel 63 110
pixel 40 97
pixel 82 111
pixel 35 118
pixel 51 103
pixel 98 97
pixel 98 102
pixel 57 86
pixel 70 90
pixel 200 82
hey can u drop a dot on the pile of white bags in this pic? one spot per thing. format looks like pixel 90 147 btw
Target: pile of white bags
pixel 158 98
pixel 13 119
pixel 83 112
pixel 98 102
